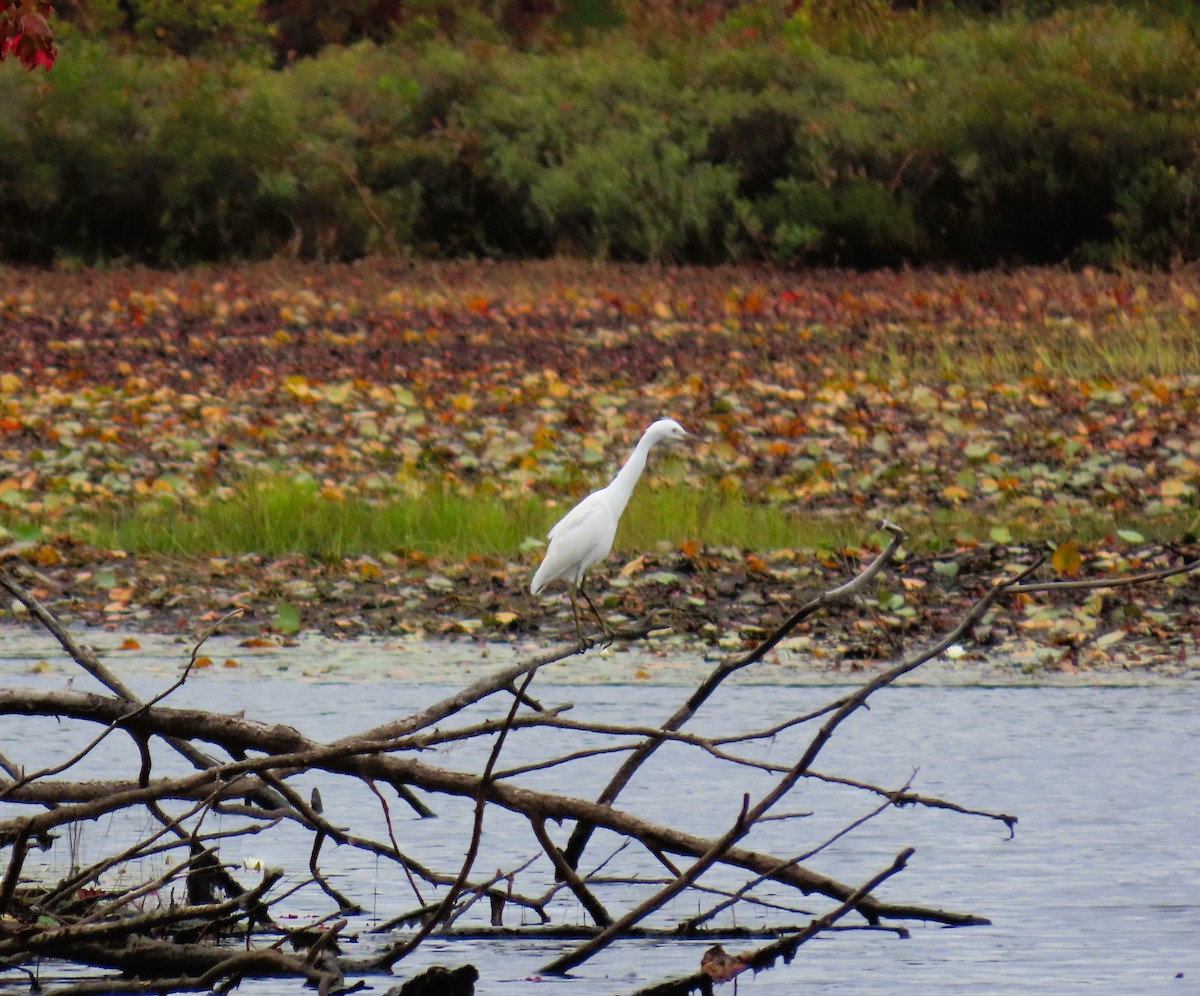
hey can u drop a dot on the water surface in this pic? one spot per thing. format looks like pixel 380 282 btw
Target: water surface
pixel 1099 891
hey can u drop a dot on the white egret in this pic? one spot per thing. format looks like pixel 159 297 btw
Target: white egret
pixel 585 534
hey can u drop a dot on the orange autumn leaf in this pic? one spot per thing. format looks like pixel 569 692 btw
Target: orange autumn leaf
pixel 230 662
pixel 690 548
pixel 129 643
pixel 756 563
pixel 46 556
pixel 203 662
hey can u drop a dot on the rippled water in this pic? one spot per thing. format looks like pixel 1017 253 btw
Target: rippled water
pixel 1099 891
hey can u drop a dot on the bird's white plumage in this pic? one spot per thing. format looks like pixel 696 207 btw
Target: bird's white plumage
pixel 578 540
pixel 584 536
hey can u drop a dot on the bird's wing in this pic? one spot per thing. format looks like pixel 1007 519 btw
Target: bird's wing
pixel 583 536
pixel 587 508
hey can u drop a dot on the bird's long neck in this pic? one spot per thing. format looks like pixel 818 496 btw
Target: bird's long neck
pixel 622 485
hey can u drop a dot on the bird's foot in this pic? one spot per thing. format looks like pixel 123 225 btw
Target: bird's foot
pixel 605 639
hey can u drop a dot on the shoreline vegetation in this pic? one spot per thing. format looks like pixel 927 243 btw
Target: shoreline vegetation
pixel 378 448
pixel 831 132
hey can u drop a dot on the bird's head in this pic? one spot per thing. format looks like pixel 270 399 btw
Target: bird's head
pixel 666 429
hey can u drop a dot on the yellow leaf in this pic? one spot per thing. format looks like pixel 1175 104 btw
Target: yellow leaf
pixel 10 383
pixel 1066 559
pixel 632 567
pixel 297 386
pixel 955 493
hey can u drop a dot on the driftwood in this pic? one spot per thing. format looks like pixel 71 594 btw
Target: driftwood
pixel 215 930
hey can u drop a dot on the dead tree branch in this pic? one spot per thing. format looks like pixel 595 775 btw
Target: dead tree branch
pixel 164 906
pixel 583 832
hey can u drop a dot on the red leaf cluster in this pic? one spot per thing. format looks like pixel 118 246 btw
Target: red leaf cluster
pixel 26 33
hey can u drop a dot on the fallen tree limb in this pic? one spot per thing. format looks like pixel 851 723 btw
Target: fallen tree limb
pixel 104 915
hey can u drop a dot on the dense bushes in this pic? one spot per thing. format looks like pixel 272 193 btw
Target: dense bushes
pixel 1073 137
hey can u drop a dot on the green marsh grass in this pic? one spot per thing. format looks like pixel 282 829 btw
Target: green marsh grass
pixel 277 516
pixel 714 518
pixel 282 516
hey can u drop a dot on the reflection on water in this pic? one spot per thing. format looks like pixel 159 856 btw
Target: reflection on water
pixel 1099 890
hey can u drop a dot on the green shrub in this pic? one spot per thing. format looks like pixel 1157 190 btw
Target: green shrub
pixel 194 27
pixel 602 156
pixel 974 141
pixel 127 157
pixel 816 150
pixel 1045 127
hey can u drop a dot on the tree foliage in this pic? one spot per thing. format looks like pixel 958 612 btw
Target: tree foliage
pixel 25 32
pixel 860 134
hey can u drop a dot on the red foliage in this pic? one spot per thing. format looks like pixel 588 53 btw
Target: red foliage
pixel 26 33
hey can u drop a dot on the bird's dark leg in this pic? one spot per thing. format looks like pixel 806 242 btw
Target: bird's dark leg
pixel 608 633
pixel 584 643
